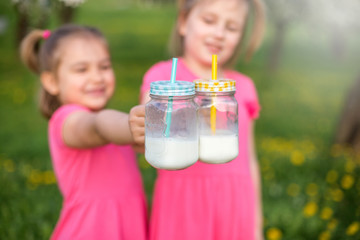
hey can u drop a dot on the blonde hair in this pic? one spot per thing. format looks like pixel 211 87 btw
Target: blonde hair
pixel 42 56
pixel 257 8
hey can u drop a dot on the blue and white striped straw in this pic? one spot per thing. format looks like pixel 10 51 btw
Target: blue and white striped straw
pixel 170 103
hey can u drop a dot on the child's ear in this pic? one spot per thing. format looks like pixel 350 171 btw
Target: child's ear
pixel 181 24
pixel 49 83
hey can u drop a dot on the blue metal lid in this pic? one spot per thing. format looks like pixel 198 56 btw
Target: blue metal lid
pixel 166 88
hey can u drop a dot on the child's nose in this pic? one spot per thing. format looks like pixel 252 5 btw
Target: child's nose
pixel 97 75
pixel 220 30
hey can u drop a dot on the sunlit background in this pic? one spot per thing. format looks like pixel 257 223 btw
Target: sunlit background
pixel 307 74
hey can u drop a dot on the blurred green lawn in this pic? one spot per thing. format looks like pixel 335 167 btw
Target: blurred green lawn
pixel 311 188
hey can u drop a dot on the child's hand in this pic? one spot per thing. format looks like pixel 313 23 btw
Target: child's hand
pixel 137 124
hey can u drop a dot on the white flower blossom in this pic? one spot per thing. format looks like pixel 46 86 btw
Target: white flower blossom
pixel 72 3
pixel 69 3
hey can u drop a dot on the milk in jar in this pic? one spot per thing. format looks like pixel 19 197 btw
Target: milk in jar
pixel 171 129
pixel 171 153
pixel 218 148
pixel 218 120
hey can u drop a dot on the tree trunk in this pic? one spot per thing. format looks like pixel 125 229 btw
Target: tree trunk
pixel 277 46
pixel 22 25
pixel 66 14
pixel 348 129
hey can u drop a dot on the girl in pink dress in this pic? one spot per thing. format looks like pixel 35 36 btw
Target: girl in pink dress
pixel 212 201
pixel 95 168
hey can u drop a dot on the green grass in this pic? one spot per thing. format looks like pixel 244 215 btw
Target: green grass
pixel 301 104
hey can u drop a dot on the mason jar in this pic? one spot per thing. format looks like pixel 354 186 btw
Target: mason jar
pixel 217 120
pixel 171 132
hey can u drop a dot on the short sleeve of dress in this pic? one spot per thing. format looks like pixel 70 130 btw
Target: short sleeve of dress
pixel 246 93
pixel 252 101
pixel 57 120
pixel 159 71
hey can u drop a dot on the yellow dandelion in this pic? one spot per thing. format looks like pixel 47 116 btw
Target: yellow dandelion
pixel 9 165
pixel 297 158
pixel 353 228
pixel 349 166
pixel 332 224
pixel 310 209
pixel 273 234
pixel 337 195
pixel 293 190
pixel 49 177
pixel 332 176
pixel 347 181
pixel 324 235
pixel 326 213
pixel 35 177
pixel 311 189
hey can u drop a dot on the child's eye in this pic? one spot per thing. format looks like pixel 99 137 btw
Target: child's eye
pixel 232 27
pixel 209 20
pixel 80 70
pixel 105 66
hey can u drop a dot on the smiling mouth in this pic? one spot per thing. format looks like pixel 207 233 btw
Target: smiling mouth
pixel 97 92
pixel 213 48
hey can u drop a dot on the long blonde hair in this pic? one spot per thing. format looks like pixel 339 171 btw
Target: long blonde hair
pixel 40 55
pixel 257 11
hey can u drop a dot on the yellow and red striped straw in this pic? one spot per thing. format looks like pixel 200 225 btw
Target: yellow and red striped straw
pixel 213 108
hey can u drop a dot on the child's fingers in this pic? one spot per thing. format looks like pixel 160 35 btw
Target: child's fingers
pixel 138 111
pixel 137 116
pixel 138 133
pixel 139 139
pixel 140 121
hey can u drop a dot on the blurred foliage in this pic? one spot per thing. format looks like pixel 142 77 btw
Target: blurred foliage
pixel 311 188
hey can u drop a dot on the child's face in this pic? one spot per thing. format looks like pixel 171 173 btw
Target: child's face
pixel 213 27
pixel 85 75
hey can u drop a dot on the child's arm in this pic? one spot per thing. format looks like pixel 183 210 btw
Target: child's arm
pixel 91 129
pixel 255 173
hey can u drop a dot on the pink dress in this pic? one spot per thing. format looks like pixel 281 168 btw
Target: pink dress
pixel 207 201
pixel 102 188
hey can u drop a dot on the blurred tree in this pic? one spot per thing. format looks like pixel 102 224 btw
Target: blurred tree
pixel 30 13
pixel 348 130
pixel 336 19
pixel 35 13
pixel 158 1
pixel 341 20
pixel 283 14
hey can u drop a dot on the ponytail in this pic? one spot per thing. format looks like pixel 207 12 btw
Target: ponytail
pixel 29 50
